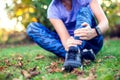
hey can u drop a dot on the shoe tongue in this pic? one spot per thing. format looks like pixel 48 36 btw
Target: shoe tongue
pixel 73 49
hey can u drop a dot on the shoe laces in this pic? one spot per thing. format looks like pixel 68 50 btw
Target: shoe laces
pixel 72 55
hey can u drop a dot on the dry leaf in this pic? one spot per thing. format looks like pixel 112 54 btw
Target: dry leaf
pixel 16 79
pixel 2 68
pixel 39 57
pixel 33 71
pixel 108 57
pixel 7 62
pixel 92 75
pixel 20 58
pixel 20 64
pixel 26 74
pixel 76 71
pixel 86 62
pixel 8 76
pixel 53 68
pixel 100 60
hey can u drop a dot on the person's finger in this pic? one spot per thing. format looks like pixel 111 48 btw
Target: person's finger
pixel 85 24
pixel 82 30
pixel 75 42
pixel 84 38
pixel 81 34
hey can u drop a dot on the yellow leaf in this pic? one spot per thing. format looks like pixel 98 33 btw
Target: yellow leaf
pixel 19 12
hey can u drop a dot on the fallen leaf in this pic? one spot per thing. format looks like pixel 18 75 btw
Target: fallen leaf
pixel 16 79
pixel 53 68
pixel 117 77
pixel 86 62
pixel 61 61
pixel 108 57
pixel 26 74
pixel 20 64
pixel 100 60
pixel 2 68
pixel 93 70
pixel 7 62
pixel 8 76
pixel 20 58
pixel 77 72
pixel 33 71
pixel 39 57
pixel 92 75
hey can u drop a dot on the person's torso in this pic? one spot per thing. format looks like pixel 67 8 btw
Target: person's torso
pixel 69 17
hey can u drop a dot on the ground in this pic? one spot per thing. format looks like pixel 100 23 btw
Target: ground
pixel 30 62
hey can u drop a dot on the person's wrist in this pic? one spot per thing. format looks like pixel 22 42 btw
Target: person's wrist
pixel 98 31
pixel 94 32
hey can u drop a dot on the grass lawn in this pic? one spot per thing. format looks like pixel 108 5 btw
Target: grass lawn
pixel 16 59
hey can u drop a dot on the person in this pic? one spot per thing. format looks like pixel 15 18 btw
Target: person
pixel 79 25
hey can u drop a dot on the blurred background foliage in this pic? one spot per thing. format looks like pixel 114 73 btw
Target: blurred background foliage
pixel 26 11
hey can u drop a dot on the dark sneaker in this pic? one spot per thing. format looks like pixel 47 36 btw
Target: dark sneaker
pixel 72 59
pixel 88 54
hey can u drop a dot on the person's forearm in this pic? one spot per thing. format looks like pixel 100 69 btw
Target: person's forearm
pixel 103 25
pixel 61 30
pixel 100 16
pixel 64 35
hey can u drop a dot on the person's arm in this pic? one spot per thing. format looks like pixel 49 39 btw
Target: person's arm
pixel 99 14
pixel 63 33
pixel 87 33
pixel 61 30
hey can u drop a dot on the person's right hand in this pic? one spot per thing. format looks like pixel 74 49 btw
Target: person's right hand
pixel 72 42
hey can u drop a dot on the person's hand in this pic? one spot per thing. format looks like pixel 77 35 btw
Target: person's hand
pixel 72 42
pixel 85 33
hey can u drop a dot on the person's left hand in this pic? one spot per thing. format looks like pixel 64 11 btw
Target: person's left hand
pixel 85 33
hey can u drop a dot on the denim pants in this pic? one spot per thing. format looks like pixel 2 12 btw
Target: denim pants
pixel 50 40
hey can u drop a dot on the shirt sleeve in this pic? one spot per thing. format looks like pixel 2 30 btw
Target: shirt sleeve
pixel 84 2
pixel 53 12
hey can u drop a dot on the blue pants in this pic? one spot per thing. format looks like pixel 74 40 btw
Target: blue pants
pixel 50 40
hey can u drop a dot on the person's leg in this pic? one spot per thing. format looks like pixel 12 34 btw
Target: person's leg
pixel 74 56
pixel 85 15
pixel 46 39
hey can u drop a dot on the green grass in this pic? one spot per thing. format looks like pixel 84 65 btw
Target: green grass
pixel 107 68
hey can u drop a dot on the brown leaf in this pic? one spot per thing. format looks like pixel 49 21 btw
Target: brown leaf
pixel 20 58
pixel 8 76
pixel 34 73
pixel 26 74
pixel 108 57
pixel 2 68
pixel 53 68
pixel 100 60
pixel 92 75
pixel 38 57
pixel 93 70
pixel 7 62
pixel 33 69
pixel 86 62
pixel 78 72
pixel 16 79
pixel 20 64
pixel 117 76
pixel 61 61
